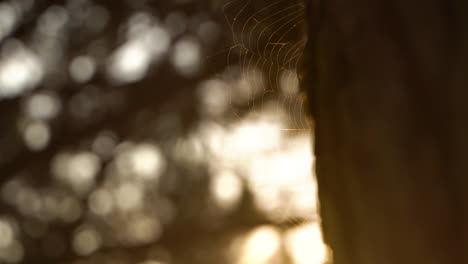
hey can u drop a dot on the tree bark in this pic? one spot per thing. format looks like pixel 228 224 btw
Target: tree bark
pixel 387 83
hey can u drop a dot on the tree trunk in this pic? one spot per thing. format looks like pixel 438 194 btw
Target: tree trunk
pixel 387 83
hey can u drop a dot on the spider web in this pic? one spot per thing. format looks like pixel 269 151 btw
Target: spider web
pixel 268 41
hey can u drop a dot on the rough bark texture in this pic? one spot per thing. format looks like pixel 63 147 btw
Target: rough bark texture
pixel 387 83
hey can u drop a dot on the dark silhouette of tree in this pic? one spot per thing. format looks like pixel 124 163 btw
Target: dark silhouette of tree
pixel 387 86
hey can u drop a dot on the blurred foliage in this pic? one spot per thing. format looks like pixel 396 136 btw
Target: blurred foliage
pixel 153 132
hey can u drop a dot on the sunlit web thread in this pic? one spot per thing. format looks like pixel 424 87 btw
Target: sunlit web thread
pixel 262 40
pixel 274 69
pixel 288 67
pixel 299 106
pixel 287 71
pixel 244 64
pixel 269 38
pixel 284 69
pixel 280 23
pixel 245 59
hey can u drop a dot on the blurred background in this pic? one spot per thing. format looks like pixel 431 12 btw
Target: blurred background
pixel 155 132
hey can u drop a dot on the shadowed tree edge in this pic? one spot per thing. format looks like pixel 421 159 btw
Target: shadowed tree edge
pixel 385 83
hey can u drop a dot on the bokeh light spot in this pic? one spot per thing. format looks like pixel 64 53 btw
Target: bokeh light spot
pixel 262 246
pixel 128 196
pixel 143 160
pixel 101 202
pixel 37 135
pixel 8 19
pixel 186 56
pixel 86 241
pixel 226 189
pixel 305 245
pixel 53 20
pixel 147 44
pixel 20 70
pixel 147 161
pixel 42 106
pixel 7 234
pixel 78 170
pixel 82 68
pixel 214 97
